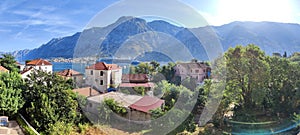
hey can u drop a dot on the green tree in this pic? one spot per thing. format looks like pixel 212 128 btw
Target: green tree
pixel 283 85
pixel 155 66
pixel 295 57
pixel 168 72
pixel 247 74
pixel 8 61
pixel 144 68
pixel 49 99
pixel 11 98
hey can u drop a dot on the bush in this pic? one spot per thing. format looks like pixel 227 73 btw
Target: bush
pixel 60 128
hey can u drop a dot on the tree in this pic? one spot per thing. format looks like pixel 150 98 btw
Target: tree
pixel 247 74
pixel 11 98
pixel 168 72
pixel 284 55
pixel 49 99
pixel 8 61
pixel 283 85
pixel 143 68
pixel 155 66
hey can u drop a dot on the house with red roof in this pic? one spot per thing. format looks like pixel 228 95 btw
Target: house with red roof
pixel 138 107
pixel 136 80
pixel 140 110
pixel 76 76
pixel 37 64
pixel 40 64
pixel 102 76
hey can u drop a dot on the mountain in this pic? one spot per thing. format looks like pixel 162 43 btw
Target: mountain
pixel 131 37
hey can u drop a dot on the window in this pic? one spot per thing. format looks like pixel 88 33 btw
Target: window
pixel 91 72
pixel 101 73
pixel 101 82
pixel 197 71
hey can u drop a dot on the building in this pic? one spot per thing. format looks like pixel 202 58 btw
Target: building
pixel 86 92
pixel 26 72
pixel 38 64
pixel 138 107
pixel 76 76
pixel 197 70
pixel 140 110
pixel 101 76
pixel 3 69
pixel 94 102
pixel 136 80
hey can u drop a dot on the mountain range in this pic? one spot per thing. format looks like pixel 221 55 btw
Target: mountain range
pixel 159 40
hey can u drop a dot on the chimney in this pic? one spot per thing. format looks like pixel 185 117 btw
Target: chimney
pixel 90 91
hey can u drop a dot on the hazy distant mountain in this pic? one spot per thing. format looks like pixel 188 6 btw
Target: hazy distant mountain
pixel 136 36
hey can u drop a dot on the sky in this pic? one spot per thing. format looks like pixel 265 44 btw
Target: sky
pixel 27 24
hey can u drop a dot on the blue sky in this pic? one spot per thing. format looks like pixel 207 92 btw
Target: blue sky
pixel 27 24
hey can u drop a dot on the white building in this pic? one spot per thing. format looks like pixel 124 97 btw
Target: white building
pixel 38 64
pixel 102 76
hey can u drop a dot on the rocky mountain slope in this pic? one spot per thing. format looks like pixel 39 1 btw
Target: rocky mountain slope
pixel 135 37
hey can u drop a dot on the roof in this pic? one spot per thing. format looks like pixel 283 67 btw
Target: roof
pixel 103 66
pixel 192 65
pixel 136 78
pixel 146 104
pixel 3 69
pixel 123 99
pixel 87 91
pixel 148 84
pixel 38 62
pixel 68 73
pixel 26 70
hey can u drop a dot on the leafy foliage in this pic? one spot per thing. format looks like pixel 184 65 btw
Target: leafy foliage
pixel 254 83
pixel 8 61
pixel 11 98
pixel 49 100
pixel 115 106
pixel 140 90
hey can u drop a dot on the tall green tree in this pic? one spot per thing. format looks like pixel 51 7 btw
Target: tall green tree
pixel 8 61
pixel 49 99
pixel 247 74
pixel 11 98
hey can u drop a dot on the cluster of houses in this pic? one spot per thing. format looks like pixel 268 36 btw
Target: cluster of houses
pixel 102 81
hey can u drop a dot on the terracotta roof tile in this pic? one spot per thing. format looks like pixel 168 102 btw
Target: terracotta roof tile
pixel 146 104
pixel 135 78
pixel 26 70
pixel 3 69
pixel 103 66
pixel 38 62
